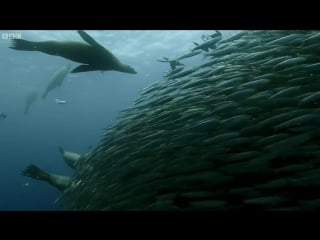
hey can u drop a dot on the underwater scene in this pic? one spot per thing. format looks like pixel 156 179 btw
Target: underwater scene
pixel 161 120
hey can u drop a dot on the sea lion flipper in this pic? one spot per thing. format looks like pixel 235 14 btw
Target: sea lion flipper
pixel 57 181
pixel 21 44
pixel 84 68
pixel 85 36
pixel 35 172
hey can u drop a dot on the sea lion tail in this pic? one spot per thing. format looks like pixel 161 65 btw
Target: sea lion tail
pixel 20 44
pixel 34 172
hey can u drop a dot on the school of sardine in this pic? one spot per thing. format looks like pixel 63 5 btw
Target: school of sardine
pixel 239 131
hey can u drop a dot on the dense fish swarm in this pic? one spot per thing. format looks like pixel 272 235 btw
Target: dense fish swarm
pixel 240 131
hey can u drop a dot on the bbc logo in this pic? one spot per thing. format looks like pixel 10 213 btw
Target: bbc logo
pixel 13 35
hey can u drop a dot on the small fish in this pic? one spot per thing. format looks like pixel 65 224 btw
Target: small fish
pixel 61 101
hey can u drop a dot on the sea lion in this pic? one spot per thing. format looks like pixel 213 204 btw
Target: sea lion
pixel 57 181
pixel 56 80
pixel 94 56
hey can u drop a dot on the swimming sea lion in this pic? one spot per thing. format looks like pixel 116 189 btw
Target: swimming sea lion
pixel 94 56
pixel 56 80
pixel 57 181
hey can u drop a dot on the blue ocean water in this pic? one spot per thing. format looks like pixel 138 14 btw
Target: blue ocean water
pixel 94 100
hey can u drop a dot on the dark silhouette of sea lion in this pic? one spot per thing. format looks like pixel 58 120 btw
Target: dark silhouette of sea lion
pixel 94 56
